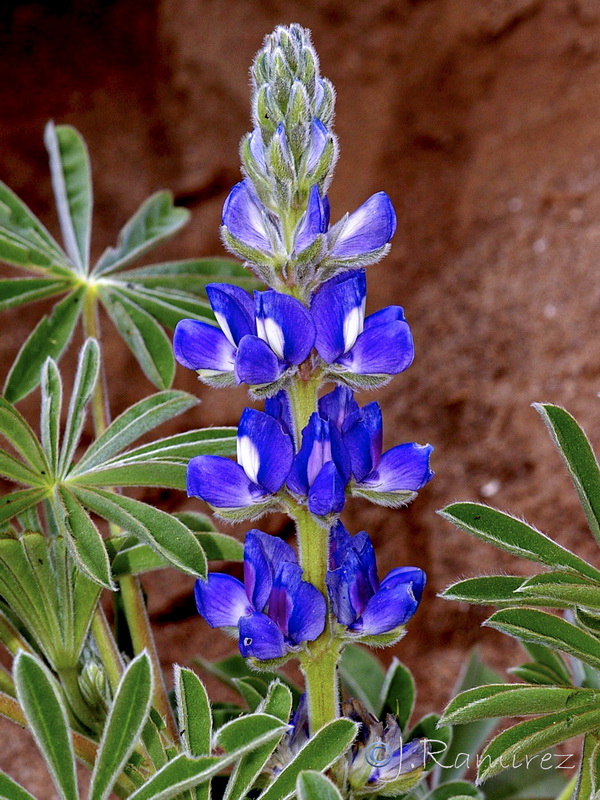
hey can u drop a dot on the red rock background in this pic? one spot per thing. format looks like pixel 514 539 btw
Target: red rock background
pixel 482 122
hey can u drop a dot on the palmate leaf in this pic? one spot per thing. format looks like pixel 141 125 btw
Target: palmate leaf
pixel 139 300
pixel 74 491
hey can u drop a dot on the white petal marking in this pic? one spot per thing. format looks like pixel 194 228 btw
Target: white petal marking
pixel 247 456
pixel 273 336
pixel 353 326
pixel 224 325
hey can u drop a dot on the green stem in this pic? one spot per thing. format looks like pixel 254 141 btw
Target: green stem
pixel 80 711
pixel 131 591
pixel 319 663
pixel 107 647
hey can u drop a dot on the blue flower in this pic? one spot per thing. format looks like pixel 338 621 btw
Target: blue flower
pixel 391 478
pixel 249 222
pixel 258 341
pixel 364 232
pixel 321 468
pixel 380 345
pixel 274 610
pixel 358 600
pixel 265 454
pixel 279 407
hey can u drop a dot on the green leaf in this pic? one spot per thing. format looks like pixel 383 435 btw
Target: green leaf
pixel 167 306
pixel 489 590
pixel 453 790
pixel 397 694
pixel 561 587
pixel 588 779
pixel 17 219
pixel 550 659
pixel 574 447
pixel 19 501
pixel 48 339
pixel 183 446
pixel 538 674
pixel 46 715
pixel 83 538
pixel 10 790
pixel 51 385
pixel 319 753
pixel 88 367
pixel 540 627
pixel 195 718
pixel 314 786
pixel 16 430
pixel 515 700
pixel 191 275
pixel 16 471
pixel 237 667
pixel 16 292
pixel 248 692
pixel 467 738
pixel 514 536
pixel 137 420
pixel 362 675
pixel 156 220
pixel 166 474
pixel 136 558
pixel 160 530
pixel 126 718
pixel 145 338
pixel 72 184
pixel 534 736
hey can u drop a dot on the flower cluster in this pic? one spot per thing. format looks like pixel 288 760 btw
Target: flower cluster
pixel 340 451
pixel 274 611
pixel 307 451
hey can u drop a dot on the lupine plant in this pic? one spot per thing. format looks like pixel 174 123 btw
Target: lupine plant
pixel 88 684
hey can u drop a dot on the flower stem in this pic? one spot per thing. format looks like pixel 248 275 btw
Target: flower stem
pixel 319 663
pixel 131 591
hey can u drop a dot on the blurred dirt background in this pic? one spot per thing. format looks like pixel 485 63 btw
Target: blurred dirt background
pixel 481 119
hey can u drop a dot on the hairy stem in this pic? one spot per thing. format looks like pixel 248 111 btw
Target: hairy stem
pixel 319 663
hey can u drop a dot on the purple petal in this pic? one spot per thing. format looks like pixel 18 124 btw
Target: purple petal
pixel 261 638
pixel 403 468
pixel 318 142
pixel 221 482
pixel 312 223
pixel 307 620
pixel 264 449
pixel 198 345
pixel 413 575
pixel 327 494
pixel 244 217
pixel 385 315
pixel 257 148
pixel 221 600
pixel 368 228
pixel 363 440
pixel 338 311
pixel 256 363
pixel 393 605
pixel 281 600
pixel 381 350
pixel 340 542
pixel 314 451
pixel 337 406
pixel 285 324
pixel 363 547
pixel 233 309
pixel 262 556
pixel 280 409
pixel 339 586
